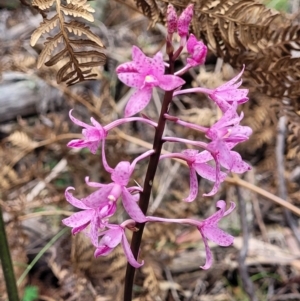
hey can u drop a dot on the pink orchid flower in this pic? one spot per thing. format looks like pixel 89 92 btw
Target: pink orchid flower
pixel 221 153
pixel 120 176
pixel 225 134
pixel 197 50
pixel 101 204
pixel 228 127
pixel 144 73
pixel 112 238
pixel 228 93
pixel 97 208
pixel 230 160
pixel 197 163
pixel 208 229
pixel 225 95
pixel 93 135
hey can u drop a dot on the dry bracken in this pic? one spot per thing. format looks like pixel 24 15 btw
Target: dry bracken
pixel 77 58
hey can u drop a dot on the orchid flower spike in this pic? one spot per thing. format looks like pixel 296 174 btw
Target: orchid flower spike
pixel 112 238
pixel 144 73
pixel 209 230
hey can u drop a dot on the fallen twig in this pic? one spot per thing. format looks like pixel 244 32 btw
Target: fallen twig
pixel 247 283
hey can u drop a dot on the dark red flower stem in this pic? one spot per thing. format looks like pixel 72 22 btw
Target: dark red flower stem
pixel 145 195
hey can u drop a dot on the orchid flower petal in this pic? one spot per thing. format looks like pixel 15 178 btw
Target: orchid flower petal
pixel 239 166
pixel 73 201
pixel 133 80
pixel 79 218
pixel 218 236
pixel 230 209
pixel 131 207
pixel 102 251
pixel 122 172
pixel 217 181
pixel 138 101
pixel 170 82
pixel 142 62
pixel 158 63
pixel 95 199
pixel 209 257
pixel 76 230
pixel 193 186
pixel 128 253
pixel 78 122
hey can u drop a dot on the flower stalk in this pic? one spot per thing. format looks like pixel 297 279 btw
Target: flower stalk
pixel 145 195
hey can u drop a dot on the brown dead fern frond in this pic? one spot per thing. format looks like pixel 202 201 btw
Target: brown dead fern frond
pixel 8 177
pixel 152 270
pixel 77 58
pixel 293 139
pixel 21 140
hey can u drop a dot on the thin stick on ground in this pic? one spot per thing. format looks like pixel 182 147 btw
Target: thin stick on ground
pixel 257 210
pixel 280 146
pixel 247 283
pixel 237 181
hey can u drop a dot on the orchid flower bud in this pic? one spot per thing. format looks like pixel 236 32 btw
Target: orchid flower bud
pixel 184 21
pixel 171 19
